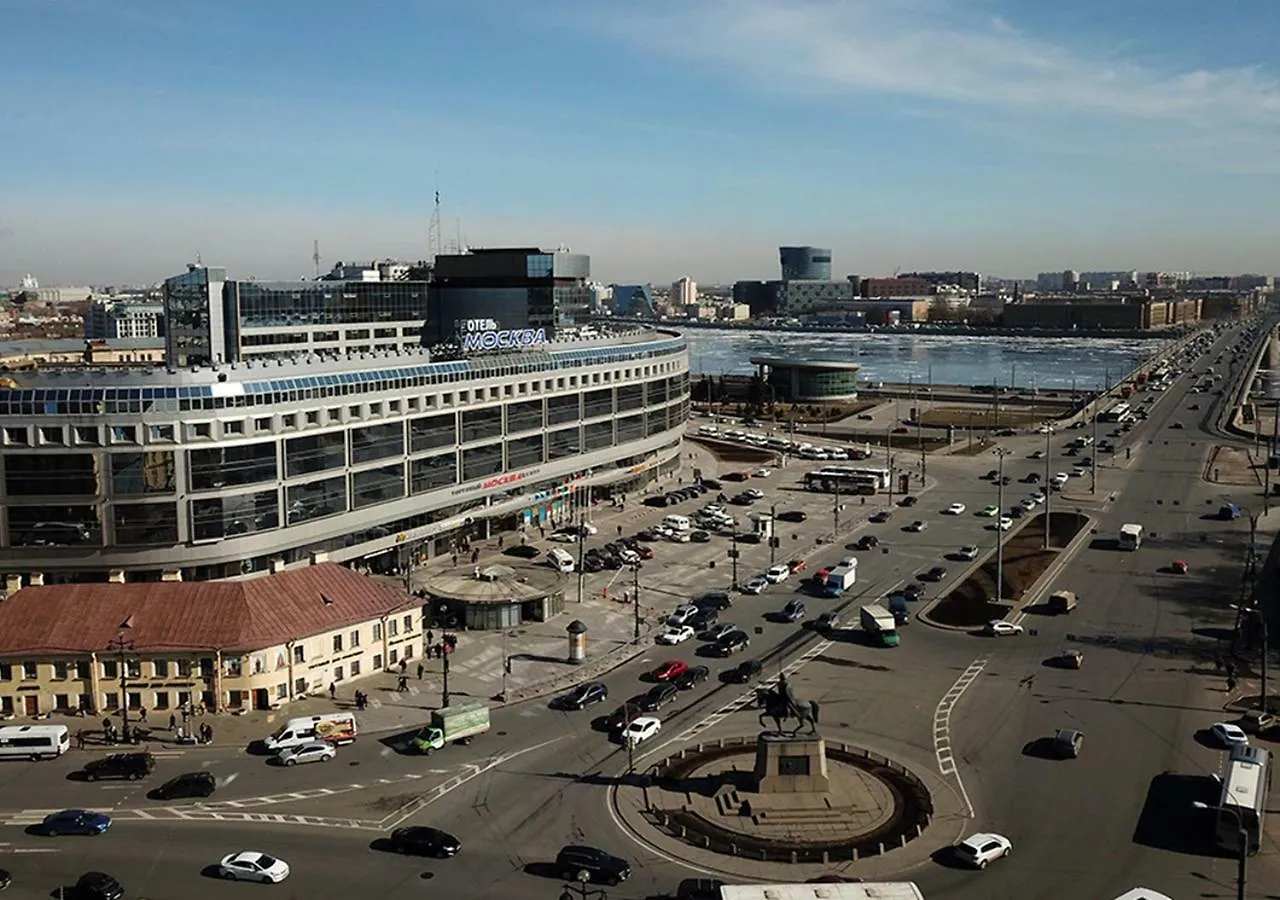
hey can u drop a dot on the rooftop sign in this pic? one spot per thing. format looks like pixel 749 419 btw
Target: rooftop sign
pixel 484 334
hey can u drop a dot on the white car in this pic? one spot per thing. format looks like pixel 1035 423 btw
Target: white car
pixel 1039 496
pixel 629 556
pixel 250 865
pixel 1028 504
pixel 1227 734
pixel 762 473
pixel 1061 478
pixel 777 574
pixel 712 509
pixel 679 537
pixel 956 509
pixel 715 632
pixel 682 614
pixel 565 537
pixel 1005 523
pixel 588 528
pixel 641 729
pixel 312 751
pixel 755 585
pixel 676 634
pixel 968 552
pixel 1001 628
pixel 979 849
pixel 753 493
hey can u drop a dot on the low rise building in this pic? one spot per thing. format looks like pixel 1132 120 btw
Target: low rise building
pixel 226 645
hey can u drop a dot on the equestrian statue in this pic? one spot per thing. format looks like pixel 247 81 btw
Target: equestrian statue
pixel 780 704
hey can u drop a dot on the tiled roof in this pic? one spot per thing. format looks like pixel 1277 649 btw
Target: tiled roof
pixel 221 615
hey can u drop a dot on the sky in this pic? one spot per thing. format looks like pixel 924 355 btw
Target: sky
pixel 664 138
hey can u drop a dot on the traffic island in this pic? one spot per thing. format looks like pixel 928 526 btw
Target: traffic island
pixel 970 603
pixel 711 797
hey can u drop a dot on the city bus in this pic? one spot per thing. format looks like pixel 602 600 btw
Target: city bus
pixel 844 482
pixel 1243 806
pixel 34 741
pixel 1118 413
pixel 880 476
pixel 868 890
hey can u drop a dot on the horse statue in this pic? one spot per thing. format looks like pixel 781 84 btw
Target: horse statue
pixel 780 704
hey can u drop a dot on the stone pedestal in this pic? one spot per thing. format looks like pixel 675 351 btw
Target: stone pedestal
pixel 791 765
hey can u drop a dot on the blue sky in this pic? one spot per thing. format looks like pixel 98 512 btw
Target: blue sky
pixel 663 138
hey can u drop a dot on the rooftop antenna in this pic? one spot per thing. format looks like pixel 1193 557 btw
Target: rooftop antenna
pixel 457 225
pixel 199 261
pixel 433 228
pixel 315 257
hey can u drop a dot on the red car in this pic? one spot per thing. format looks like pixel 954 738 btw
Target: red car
pixel 797 565
pixel 645 552
pixel 1180 567
pixel 669 670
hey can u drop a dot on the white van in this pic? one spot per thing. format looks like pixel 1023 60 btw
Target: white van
pixel 678 523
pixel 560 560
pixel 332 728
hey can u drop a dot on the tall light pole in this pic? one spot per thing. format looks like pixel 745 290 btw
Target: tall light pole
pixel 635 592
pixel 1001 453
pixel 121 645
pixel 1242 836
pixel 1093 456
pixel 578 890
pixel 773 533
pixel 1048 486
pixel 582 552
pixel 733 558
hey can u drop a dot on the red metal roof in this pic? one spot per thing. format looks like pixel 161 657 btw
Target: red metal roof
pixel 173 615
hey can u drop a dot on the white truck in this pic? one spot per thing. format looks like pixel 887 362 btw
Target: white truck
pixel 1130 536
pixel 880 624
pixel 334 728
pixel 840 579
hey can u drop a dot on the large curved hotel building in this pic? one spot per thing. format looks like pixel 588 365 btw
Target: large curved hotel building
pixel 340 419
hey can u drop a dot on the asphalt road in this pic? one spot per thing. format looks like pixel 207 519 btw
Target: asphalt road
pixel 540 778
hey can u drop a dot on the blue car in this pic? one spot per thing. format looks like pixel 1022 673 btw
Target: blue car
pixel 75 821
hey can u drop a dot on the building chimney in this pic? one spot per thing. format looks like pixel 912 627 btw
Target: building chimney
pixel 12 584
pixel 277 565
pixel 116 576
pixel 36 579
pixel 171 575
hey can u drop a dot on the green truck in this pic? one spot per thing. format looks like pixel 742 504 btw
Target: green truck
pixel 456 724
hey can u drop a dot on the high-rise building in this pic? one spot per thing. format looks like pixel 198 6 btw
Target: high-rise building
pixel 684 292
pixel 515 288
pixel 805 263
pixel 113 319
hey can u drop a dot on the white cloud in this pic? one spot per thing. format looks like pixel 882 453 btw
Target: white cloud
pixel 955 54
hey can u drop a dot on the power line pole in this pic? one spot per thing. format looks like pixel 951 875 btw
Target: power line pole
pixel 635 592
pixel 1048 487
pixel 1001 453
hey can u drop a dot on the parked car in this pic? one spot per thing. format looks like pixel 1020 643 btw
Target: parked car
pixel 190 784
pixel 980 849
pixel 675 634
pixel 755 585
pixel 793 515
pixel 937 573
pixel 669 670
pixel 692 678
pixel 777 574
pixel 917 526
pixel 968 551
pixel 719 600
pixel 715 632
pixel 744 671
pixel 731 643
pixel 660 695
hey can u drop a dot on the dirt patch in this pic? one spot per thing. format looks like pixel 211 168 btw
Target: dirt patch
pixel 985 417
pixel 1234 466
pixel 971 604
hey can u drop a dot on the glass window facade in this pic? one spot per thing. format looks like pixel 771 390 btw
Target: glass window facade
pixel 524 416
pixel 142 524
pixel 223 467
pixel 433 472
pixel 597 403
pixel 377 485
pixel 524 452
pixel 315 453
pixel 482 461
pixel 53 526
pixel 316 499
pixel 430 432
pixel 565 408
pixel 564 442
pixel 377 442
pixel 50 474
pixel 630 428
pixel 143 473
pixel 219 517
pixel 630 396
pixel 479 424
pixel 598 435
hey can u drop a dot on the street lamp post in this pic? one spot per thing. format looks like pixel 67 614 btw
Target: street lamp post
pixel 121 645
pixel 1242 836
pixel 1001 453
pixel 445 653
pixel 733 559
pixel 635 594
pixel 578 890
pixel 582 552
pixel 773 534
pixel 1048 486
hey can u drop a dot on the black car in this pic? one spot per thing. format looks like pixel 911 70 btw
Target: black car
pixel 744 671
pixel 711 484
pixel 731 643
pixel 937 573
pixel 913 591
pixel 992 475
pixel 6 879
pixel 699 889
pixel 717 600
pixel 909 500
pixel 703 619
pixel 98 886
pixel 190 784
pixel 883 515
pixel 793 611
pixel 700 536
pixel 648 536
pixel 741 500
pixel 793 515
pixel 523 551
pixel 592 563
pixel 690 678
pixel 120 765
pixel 583 696
pixel 420 840
pixel 624 714
pixel 868 542
pixel 599 865
pixel 659 696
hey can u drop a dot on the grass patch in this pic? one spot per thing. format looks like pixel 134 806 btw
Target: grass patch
pixel 985 417
pixel 972 605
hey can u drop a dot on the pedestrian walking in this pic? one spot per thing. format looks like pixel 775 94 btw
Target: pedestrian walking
pixel 619 531
pixel 499 542
pixel 403 685
pixel 333 691
pixel 142 714
pixel 421 669
pixel 454 557
pixel 1217 663
pixel 80 739
pixel 404 665
pixel 173 721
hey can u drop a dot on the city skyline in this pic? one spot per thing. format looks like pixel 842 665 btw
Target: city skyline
pixel 685 139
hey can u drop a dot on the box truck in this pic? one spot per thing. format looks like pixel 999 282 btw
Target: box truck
pixel 456 724
pixel 880 624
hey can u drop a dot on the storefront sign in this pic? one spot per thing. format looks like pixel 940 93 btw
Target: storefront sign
pixel 477 335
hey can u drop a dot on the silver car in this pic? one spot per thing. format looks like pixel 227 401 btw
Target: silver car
pixel 314 751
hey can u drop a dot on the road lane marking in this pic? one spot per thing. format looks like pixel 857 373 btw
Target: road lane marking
pixel 942 727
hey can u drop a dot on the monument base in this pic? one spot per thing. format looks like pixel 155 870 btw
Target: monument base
pixel 791 765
